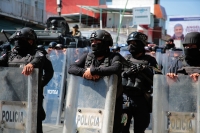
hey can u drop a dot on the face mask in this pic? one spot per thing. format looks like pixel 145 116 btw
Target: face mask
pixel 22 46
pixel 192 56
pixel 99 49
pixel 135 49
pixel 169 46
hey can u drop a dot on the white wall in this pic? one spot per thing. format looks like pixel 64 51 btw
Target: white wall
pixel 113 19
pixel 133 3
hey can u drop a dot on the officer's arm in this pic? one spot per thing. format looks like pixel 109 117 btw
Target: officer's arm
pixel 114 68
pixel 38 60
pixel 78 68
pixel 48 72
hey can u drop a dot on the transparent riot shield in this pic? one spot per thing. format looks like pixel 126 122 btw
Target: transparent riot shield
pixel 176 105
pixel 90 105
pixel 165 62
pixel 174 55
pixel 159 57
pixel 54 91
pixel 18 101
pixel 125 53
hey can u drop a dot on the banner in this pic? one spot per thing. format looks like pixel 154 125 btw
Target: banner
pixel 141 16
pixel 180 26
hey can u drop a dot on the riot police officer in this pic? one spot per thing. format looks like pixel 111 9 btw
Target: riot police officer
pixel 191 47
pixel 25 55
pixel 169 45
pixel 137 83
pixel 101 62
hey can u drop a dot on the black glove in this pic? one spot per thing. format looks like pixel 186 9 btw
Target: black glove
pixel 137 67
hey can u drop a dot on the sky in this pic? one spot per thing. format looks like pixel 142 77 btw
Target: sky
pixel 180 8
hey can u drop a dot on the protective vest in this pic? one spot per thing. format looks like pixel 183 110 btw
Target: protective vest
pixel 90 59
pixel 16 60
pixel 136 83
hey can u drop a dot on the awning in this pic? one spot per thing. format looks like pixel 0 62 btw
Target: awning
pixel 105 9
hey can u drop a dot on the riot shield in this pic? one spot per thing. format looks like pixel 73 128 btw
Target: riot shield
pixel 175 105
pixel 167 59
pixel 73 54
pixel 54 91
pixel 174 55
pixel 18 101
pixel 90 105
pixel 159 57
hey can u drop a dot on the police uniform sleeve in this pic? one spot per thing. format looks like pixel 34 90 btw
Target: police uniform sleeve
pixel 48 71
pixel 78 68
pixel 38 60
pixel 114 68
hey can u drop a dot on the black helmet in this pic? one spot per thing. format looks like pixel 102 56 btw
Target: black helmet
pixel 192 38
pixel 59 46
pixel 75 26
pixel 26 33
pixel 40 47
pixel 52 44
pixel 137 36
pixel 102 35
pixel 115 48
pixel 54 22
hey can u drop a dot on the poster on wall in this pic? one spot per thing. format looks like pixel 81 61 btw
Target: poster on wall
pixel 180 26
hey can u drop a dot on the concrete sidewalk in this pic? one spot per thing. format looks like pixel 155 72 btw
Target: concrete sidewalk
pixel 59 129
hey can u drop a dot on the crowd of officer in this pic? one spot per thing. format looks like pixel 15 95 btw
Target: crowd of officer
pixel 135 75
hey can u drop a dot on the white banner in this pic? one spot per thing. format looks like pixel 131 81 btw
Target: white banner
pixel 180 26
pixel 141 16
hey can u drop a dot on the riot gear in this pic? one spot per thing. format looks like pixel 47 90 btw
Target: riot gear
pixel 22 37
pixel 59 46
pixel 115 49
pixel 192 55
pixel 40 47
pixel 102 35
pixel 101 48
pixel 137 46
pixel 25 33
pixel 52 44
pixel 54 24
pixel 192 38
pixel 137 36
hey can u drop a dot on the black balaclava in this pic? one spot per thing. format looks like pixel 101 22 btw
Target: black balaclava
pixel 23 46
pixel 137 48
pixel 100 49
pixel 169 46
pixel 192 55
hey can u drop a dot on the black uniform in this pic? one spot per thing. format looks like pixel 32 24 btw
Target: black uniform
pixel 137 80
pixel 19 57
pixel 138 106
pixel 109 65
pixel 115 67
